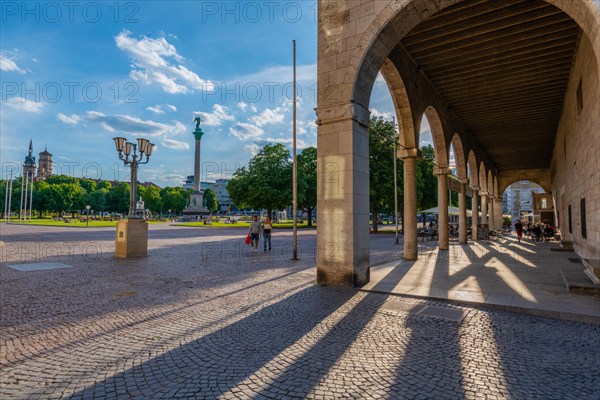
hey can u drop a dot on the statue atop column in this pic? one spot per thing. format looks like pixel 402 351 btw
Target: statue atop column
pixel 196 204
pixel 198 131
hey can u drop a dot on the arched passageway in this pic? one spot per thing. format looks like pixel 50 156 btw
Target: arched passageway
pixel 510 112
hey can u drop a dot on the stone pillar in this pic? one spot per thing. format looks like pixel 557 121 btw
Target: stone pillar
pixel 343 195
pixel 197 165
pixel 462 212
pixel 442 175
pixel 498 216
pixel 491 218
pixel 409 220
pixel 474 211
pixel 484 219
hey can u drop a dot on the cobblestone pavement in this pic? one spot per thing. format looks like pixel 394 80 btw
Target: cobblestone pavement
pixel 203 318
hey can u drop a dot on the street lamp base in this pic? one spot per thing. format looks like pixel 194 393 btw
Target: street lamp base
pixel 132 238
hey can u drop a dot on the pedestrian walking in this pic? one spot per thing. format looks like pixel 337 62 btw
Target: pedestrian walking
pixel 519 230
pixel 254 233
pixel 267 231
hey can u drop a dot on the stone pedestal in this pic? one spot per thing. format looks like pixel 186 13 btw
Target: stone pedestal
pixel 132 238
pixel 196 206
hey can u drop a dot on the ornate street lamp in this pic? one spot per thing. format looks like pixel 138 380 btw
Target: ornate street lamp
pixel 133 158
pixel 87 221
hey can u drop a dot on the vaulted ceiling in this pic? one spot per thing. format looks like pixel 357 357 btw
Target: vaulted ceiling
pixel 503 67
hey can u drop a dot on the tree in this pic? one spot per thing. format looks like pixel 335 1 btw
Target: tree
pixel 174 198
pixel 151 197
pixel 307 181
pixel 426 180
pixel 381 168
pixel 117 199
pixel 210 201
pixel 266 183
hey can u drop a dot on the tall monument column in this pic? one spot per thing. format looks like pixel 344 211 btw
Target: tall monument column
pixel 196 205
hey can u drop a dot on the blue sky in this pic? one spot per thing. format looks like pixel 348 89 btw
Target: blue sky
pixel 74 75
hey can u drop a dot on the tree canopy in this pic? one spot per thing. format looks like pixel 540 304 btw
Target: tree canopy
pixel 307 181
pixel 266 182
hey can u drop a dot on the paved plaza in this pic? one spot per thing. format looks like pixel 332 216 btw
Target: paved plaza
pixel 202 317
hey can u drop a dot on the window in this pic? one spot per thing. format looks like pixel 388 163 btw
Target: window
pixel 570 221
pixel 582 211
pixel 579 98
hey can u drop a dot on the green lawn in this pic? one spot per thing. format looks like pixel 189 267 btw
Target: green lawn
pixel 75 223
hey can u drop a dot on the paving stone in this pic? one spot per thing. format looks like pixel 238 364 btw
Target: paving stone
pixel 218 329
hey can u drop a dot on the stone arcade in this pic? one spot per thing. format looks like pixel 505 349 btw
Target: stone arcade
pixel 512 85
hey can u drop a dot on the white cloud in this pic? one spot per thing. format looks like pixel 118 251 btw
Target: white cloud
pixel 268 117
pixel 157 61
pixel 175 144
pixel 282 74
pixel 8 64
pixel 387 115
pixel 72 119
pixel 217 117
pixel 171 107
pixel 300 144
pixel 134 125
pixel 20 104
pixel 245 131
pixel 242 105
pixel 252 149
pixel 253 108
pixel 155 109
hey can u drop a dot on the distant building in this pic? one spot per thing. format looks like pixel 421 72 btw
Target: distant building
pixel 519 200
pixel 29 164
pixel 45 165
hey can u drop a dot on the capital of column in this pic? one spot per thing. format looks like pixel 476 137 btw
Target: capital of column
pixel 415 152
pixel 483 192
pixel 342 112
pixel 462 181
pixel 474 187
pixel 441 170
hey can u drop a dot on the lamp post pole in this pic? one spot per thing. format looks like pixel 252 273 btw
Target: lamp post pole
pixel 133 159
pixel 87 221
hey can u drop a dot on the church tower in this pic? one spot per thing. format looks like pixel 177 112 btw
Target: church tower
pixel 45 165
pixel 29 164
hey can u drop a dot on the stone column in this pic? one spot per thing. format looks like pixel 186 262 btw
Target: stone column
pixel 442 175
pixel 491 218
pixel 462 212
pixel 343 195
pixel 409 220
pixel 474 211
pixel 484 219
pixel 498 218
pixel 197 165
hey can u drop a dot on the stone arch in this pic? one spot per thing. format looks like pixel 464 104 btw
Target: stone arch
pixel 473 170
pixel 393 22
pixel 437 133
pixel 402 104
pixel 459 157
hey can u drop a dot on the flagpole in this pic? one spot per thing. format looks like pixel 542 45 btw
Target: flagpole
pixel 395 181
pixel 295 168
pixel 31 198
